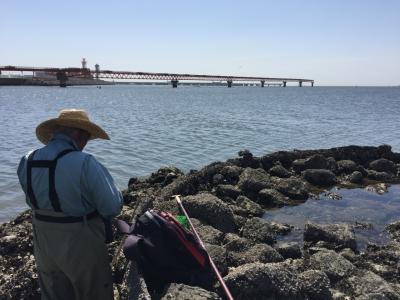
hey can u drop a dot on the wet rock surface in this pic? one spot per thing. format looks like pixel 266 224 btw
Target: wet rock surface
pixel 226 201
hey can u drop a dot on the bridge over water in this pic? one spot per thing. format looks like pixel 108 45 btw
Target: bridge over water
pixel 62 74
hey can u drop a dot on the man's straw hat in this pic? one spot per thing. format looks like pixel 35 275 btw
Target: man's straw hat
pixel 75 118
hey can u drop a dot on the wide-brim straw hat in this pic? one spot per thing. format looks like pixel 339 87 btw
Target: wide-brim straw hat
pixel 75 118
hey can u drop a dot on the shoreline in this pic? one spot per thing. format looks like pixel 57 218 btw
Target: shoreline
pixel 226 201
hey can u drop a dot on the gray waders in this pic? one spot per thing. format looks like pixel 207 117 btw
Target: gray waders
pixel 70 252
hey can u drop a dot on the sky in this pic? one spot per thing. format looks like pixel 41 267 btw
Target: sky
pixel 339 42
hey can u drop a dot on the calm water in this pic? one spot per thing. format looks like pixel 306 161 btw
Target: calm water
pixel 356 206
pixel 189 127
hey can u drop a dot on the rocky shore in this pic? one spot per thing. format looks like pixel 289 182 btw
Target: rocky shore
pixel 227 201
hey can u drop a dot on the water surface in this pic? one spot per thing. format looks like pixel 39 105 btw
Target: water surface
pixel 189 127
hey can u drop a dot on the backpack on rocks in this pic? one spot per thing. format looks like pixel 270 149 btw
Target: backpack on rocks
pixel 164 250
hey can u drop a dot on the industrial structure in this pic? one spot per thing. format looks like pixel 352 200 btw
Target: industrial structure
pixel 62 75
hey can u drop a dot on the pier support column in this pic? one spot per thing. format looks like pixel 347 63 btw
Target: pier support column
pixel 312 83
pixel 174 83
pixel 262 83
pixel 229 82
pixel 300 83
pixel 63 78
pixel 284 84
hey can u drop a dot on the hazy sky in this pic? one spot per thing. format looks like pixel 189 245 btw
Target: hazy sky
pixel 335 42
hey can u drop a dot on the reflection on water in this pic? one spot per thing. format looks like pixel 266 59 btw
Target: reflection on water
pixel 356 205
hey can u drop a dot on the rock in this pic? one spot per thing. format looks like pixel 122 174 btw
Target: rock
pixel 248 160
pixel 210 209
pixel 281 229
pixel 346 166
pixel 315 285
pixel 177 291
pixel 356 177
pixel 263 282
pixel 259 231
pixel 164 175
pixel 253 180
pixel 258 253
pixel 333 264
pixel 394 230
pixel 293 188
pixel 207 233
pixel 184 185
pixel 369 286
pixel 332 164
pixel 289 250
pixel 317 161
pixel 383 165
pixel 379 176
pixel 337 236
pixel 320 177
pixel 227 190
pixel 379 188
pixel 233 242
pixel 279 171
pixel 249 207
pixel 219 256
pixel 271 198
pixel 218 179
pixel 231 173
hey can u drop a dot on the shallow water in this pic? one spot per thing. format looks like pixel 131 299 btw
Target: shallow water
pixel 189 127
pixel 356 205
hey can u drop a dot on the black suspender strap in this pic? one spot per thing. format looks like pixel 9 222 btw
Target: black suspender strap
pixel 51 165
pixel 55 201
pixel 29 189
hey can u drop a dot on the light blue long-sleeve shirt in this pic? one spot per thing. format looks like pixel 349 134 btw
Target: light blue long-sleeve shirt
pixel 82 183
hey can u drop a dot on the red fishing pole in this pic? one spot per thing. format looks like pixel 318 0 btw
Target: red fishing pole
pixel 220 279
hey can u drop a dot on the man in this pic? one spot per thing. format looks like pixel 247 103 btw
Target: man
pixel 69 192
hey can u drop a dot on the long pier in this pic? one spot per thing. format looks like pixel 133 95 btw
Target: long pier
pixel 62 74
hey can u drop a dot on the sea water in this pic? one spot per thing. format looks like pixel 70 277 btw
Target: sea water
pixel 190 127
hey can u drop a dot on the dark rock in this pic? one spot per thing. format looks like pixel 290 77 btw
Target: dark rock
pixel 320 177
pixel 210 209
pixel 233 242
pixel 247 160
pixel 337 236
pixel 258 253
pixel 177 291
pixel 249 208
pixel 283 157
pixel 164 175
pixel 383 165
pixel 239 220
pixel 253 180
pixel 331 164
pixel 227 190
pixel 259 231
pixel 394 230
pixel 346 166
pixel 279 171
pixel 317 161
pixel 333 264
pixel 315 285
pixel 289 250
pixel 293 188
pixel 231 173
pixel 271 198
pixel 207 233
pixel 263 281
pixel 379 176
pixel 356 177
pixel 184 185
pixel 218 179
pixel 219 256
pixel 369 286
